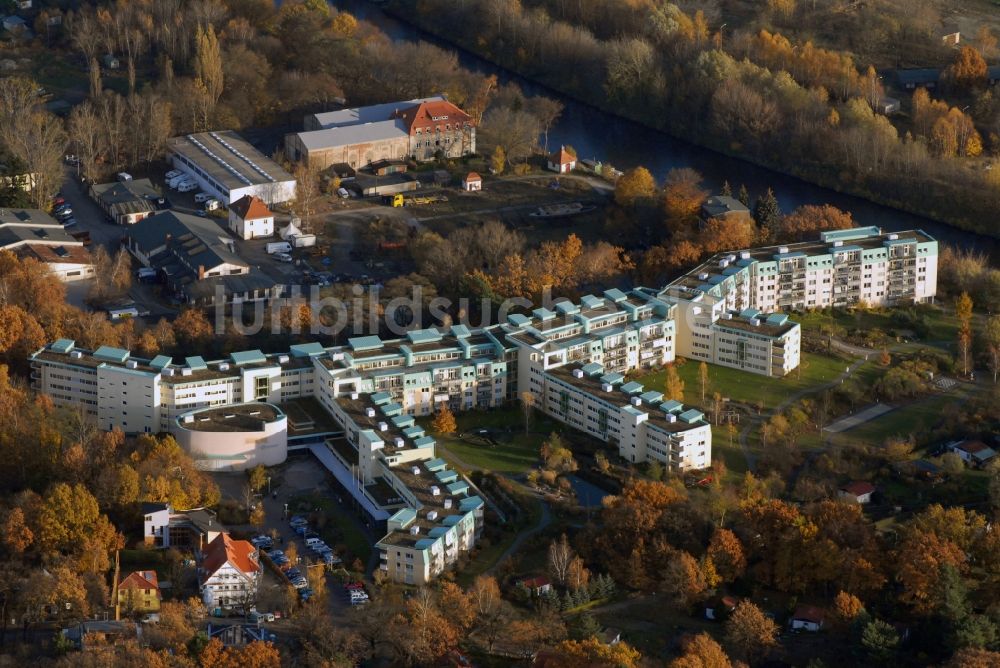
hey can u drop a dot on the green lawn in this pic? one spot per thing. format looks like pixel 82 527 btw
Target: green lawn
pixel 745 387
pixel 516 452
pixel 942 325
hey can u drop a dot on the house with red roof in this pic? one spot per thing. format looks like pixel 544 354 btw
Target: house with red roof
pixel 807 618
pixel 421 129
pixel 139 592
pixel 858 491
pixel 249 218
pixel 537 585
pixel 230 573
pixel 973 453
pixel 472 182
pixel 562 161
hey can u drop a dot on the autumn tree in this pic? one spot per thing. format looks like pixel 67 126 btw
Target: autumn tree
pixel 682 580
pixel 208 63
pixel 527 407
pixel 968 71
pixel 847 607
pixel 492 613
pixel 193 328
pixel 17 536
pixel 593 652
pixel 683 196
pixel 634 185
pixel 673 385
pixel 726 552
pixel 701 651
pixel 805 221
pixel 991 337
pixel 444 421
pixel 703 380
pixel 963 310
pixel 561 556
pixel 751 633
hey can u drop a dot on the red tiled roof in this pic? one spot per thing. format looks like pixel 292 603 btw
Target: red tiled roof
pixel 423 115
pixel 972 447
pixel 225 550
pixel 859 488
pixel 536 582
pixel 562 157
pixel 46 253
pixel 472 176
pixel 140 580
pixel 809 613
pixel 249 207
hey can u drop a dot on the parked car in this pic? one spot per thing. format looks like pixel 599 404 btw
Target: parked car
pixel 359 601
pixel 292 573
pixel 172 173
pixel 283 257
pixel 212 204
pixel 57 201
pixel 274 554
pixel 201 198
pixel 354 586
pixel 151 618
pixel 69 222
pixel 306 593
pixel 330 559
pixel 186 186
pixel 298 519
pixel 301 583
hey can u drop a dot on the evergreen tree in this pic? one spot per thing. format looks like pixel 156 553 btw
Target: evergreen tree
pixel 767 212
pixel 727 191
pixel 567 601
pixel 586 626
pixel 744 196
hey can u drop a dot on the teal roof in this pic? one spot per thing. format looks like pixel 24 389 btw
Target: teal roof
pixel 692 415
pixel 418 336
pixel 437 532
pixel 543 314
pixel 380 398
pixel 567 307
pixel 777 319
pixel 459 487
pixel 446 476
pixel 854 233
pixel 306 349
pixel 470 503
pixel 632 388
pixel 404 516
pixel 413 432
pixel 435 464
pixel 392 409
pixel 451 520
pixel 632 410
pixel 161 361
pixel 364 343
pixel 423 441
pixel 109 354
pixel 612 378
pixel 749 313
pixel 62 345
pixel 460 331
pixel 651 397
pixel 195 363
pixel 590 301
pixel 403 420
pixel 592 369
pixel 615 295
pixel 425 543
pixel 247 357
pixel 518 320
pixel 671 406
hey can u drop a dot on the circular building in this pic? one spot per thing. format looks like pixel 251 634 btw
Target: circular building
pixel 235 437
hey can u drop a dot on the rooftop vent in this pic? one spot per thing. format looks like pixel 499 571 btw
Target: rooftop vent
pixel 578 373
pixel 724 263
pixel 370 412
pixel 382 426
pixel 223 366
pixel 168 372
pixel 254 413
pixel 703 276
pixel 414 530
pixel 188 419
pixel 400 442
pixel 432 515
pixel 671 417
pixel 607 387
pixel 893 237
pixel 731 258
pixel 76 354
pixel 282 359
pixel 336 357
pixel 131 364
pixel 229 416
pixel 755 321
pixel 636 401
pixel 354 396
pixel 838 244
pixel 447 503
pixel 745 255
pixel 727 316
pixel 782 249
pixel 185 372
pixel 415 470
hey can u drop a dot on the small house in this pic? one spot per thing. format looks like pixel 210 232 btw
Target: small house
pixel 472 182
pixel 973 453
pixel 918 78
pixel 857 492
pixel 14 23
pixel 724 207
pixel 610 636
pixel 139 592
pixel 537 586
pixel 950 34
pixel 887 106
pixel 110 62
pixel 717 608
pixel 230 573
pixel 562 161
pixel 807 618
pixel 249 218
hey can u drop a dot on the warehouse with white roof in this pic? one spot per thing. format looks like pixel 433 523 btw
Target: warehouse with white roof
pixel 227 167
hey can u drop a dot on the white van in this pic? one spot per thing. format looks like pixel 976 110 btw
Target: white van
pixel 212 204
pixel 172 173
pixel 186 186
pixel 174 180
pixel 201 198
pixel 278 247
pixel 313 541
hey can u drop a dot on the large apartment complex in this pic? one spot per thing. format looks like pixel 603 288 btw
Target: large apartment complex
pixel 574 358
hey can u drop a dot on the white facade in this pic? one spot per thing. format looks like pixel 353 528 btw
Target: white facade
pixel 252 228
pixel 230 573
pixel 235 437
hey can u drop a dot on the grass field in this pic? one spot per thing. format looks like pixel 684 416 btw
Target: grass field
pixel 741 386
pixel 515 452
pixel 942 325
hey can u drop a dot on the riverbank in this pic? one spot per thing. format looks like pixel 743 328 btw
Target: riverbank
pixel 930 201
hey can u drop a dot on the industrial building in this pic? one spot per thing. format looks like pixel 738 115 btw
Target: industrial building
pixel 227 167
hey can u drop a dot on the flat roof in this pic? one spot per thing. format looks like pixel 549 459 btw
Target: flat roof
pixel 229 159
pixel 315 140
pixel 368 114
pixel 238 417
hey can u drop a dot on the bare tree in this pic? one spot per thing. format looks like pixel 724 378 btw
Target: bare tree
pixel 560 557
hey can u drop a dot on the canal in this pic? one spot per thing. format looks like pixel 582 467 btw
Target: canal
pixel 624 144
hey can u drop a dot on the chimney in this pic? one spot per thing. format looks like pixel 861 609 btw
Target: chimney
pixel 201 271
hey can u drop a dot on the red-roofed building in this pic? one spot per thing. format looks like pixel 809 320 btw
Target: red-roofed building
pixel 537 585
pixel 249 218
pixel 230 573
pixel 808 618
pixel 139 592
pixel 857 492
pixel 438 125
pixel 472 182
pixel 562 161
pixel 974 453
